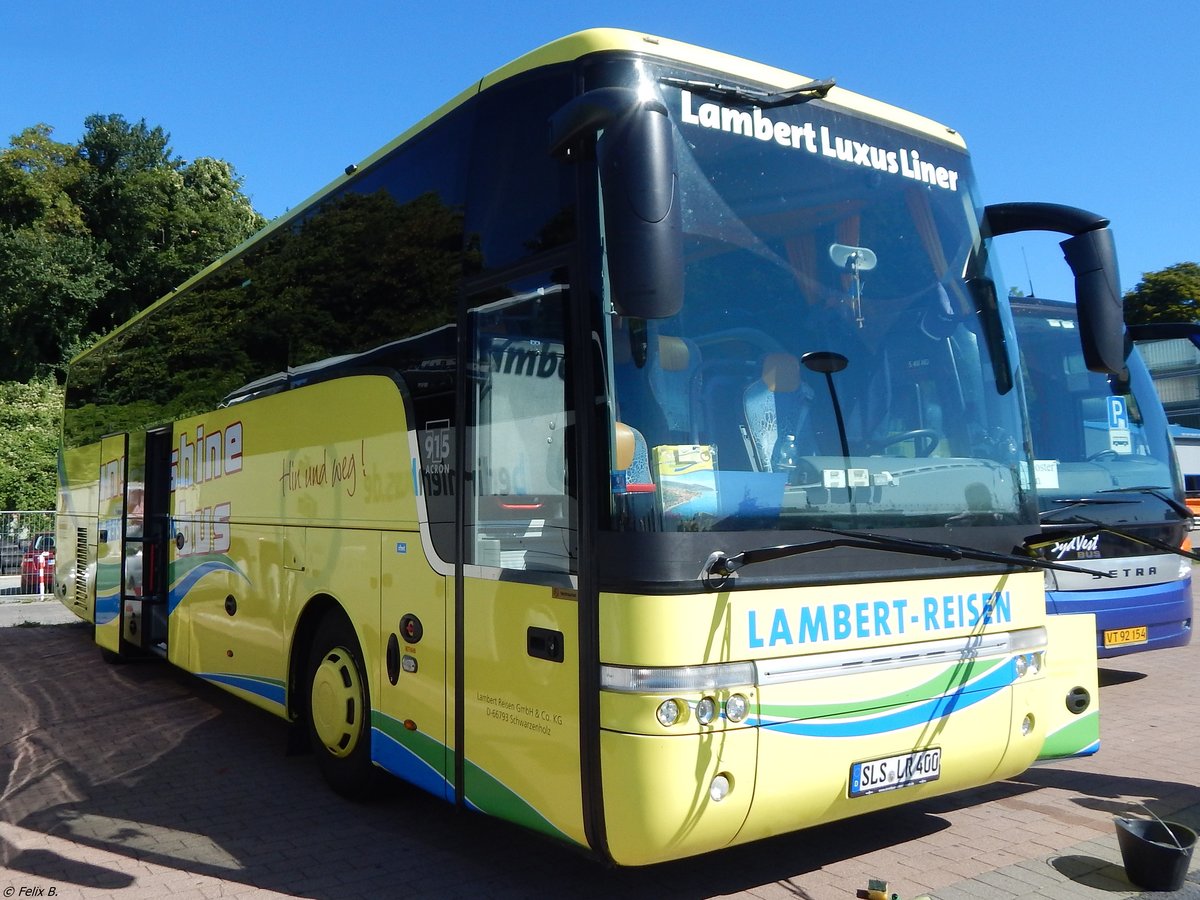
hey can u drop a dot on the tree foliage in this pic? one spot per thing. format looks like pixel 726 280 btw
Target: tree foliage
pixel 29 415
pixel 93 232
pixel 48 284
pixel 1168 295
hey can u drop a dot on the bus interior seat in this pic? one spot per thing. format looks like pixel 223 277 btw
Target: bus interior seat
pixel 776 403
pixel 632 459
pixel 910 391
pixel 659 396
pixel 674 378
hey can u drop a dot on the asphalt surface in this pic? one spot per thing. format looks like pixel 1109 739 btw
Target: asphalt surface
pixel 139 781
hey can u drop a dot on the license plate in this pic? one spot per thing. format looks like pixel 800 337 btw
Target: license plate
pixel 1118 636
pixel 891 772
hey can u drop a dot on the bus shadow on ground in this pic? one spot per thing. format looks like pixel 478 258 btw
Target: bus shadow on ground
pixel 149 763
pixel 1112 677
pixel 50 866
pixel 146 762
pixel 1107 792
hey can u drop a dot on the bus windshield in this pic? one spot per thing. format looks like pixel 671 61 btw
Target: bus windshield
pixel 839 360
pixel 1091 434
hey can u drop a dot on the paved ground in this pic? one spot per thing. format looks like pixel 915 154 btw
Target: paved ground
pixel 34 611
pixel 137 781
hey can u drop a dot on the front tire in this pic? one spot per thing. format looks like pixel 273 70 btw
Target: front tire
pixel 339 708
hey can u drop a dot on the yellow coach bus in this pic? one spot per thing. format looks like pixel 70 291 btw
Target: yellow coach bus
pixel 633 450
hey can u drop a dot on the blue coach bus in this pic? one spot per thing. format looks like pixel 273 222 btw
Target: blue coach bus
pixel 1110 491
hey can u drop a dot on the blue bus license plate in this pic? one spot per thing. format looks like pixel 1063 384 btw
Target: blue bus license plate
pixel 892 772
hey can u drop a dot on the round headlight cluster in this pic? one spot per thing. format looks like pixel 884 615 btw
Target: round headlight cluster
pixel 707 709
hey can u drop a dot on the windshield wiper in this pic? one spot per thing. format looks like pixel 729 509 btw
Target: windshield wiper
pixel 1153 491
pixel 801 93
pixel 1067 505
pixel 722 565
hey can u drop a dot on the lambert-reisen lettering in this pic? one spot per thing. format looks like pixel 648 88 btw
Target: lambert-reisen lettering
pixel 831 622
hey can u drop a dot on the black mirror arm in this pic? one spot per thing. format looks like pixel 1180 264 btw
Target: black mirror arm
pixel 591 112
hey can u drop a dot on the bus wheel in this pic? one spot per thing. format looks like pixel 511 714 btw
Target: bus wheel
pixel 339 708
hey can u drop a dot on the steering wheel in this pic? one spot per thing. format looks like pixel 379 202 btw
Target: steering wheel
pixel 1103 454
pixel 925 440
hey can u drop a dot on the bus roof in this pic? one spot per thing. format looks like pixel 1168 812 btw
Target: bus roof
pixel 573 47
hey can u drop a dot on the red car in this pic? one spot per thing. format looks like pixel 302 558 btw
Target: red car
pixel 37 565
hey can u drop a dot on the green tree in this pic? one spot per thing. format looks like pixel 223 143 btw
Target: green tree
pixel 1168 295
pixel 39 178
pixel 29 415
pixel 49 283
pixel 91 233
pixel 160 218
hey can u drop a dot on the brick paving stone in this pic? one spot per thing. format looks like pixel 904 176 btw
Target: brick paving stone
pixel 137 781
pixel 1036 875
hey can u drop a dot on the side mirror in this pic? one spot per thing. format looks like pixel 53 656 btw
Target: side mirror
pixel 1091 254
pixel 642 222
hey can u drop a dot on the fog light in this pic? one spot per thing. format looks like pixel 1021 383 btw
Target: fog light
pixel 719 789
pixel 735 708
pixel 669 712
pixel 706 710
pixel 1027 725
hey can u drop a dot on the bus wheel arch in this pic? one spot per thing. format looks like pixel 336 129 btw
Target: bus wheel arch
pixel 334 698
pixel 302 640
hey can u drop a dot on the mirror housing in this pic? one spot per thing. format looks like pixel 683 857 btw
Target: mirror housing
pixel 642 222
pixel 983 293
pixel 1091 253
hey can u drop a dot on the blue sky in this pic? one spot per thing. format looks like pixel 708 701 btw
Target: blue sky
pixel 1092 104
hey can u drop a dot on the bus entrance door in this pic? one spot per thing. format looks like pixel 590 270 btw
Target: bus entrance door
pixel 144 585
pixel 131 577
pixel 110 541
pixel 519 626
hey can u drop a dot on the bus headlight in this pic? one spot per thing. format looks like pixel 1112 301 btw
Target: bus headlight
pixel 1028 664
pixel 706 710
pixel 669 712
pixel 736 707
